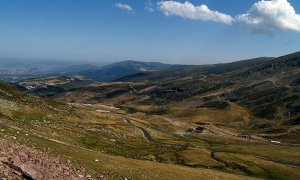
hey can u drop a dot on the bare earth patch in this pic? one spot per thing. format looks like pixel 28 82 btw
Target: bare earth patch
pixel 19 162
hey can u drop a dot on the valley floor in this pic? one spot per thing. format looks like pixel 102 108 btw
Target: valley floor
pixel 115 136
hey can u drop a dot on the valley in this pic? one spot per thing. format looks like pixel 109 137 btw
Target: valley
pixel 149 90
pixel 240 124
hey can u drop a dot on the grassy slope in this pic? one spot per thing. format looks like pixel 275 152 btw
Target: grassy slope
pixel 167 115
pixel 120 167
pixel 60 131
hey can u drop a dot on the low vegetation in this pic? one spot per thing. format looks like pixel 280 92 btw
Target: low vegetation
pixel 235 123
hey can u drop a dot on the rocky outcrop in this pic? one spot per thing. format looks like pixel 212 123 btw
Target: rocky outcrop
pixel 19 162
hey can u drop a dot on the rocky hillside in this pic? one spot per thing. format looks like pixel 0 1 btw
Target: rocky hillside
pixel 267 87
pixel 269 90
pixel 226 125
pixel 43 139
pixel 19 162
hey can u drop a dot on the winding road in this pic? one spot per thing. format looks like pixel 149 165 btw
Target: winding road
pixel 148 136
pixel 144 131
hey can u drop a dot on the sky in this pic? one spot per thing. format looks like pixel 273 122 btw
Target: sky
pixel 178 32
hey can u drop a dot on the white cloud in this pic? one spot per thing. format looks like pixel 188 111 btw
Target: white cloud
pixel 125 7
pixel 267 16
pixel 149 6
pixel 190 11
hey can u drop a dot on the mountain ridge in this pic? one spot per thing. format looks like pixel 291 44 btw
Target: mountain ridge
pixel 119 69
pixel 196 70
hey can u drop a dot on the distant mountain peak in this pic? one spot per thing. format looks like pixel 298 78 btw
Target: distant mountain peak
pixel 124 68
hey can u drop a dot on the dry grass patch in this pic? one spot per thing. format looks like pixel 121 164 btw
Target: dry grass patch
pixel 199 157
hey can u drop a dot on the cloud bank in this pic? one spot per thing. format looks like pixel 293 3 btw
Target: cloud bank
pixel 265 16
pixel 269 16
pixel 190 11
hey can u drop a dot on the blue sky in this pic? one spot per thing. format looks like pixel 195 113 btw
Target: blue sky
pixel 107 31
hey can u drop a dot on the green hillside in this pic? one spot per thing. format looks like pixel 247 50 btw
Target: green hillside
pixel 238 123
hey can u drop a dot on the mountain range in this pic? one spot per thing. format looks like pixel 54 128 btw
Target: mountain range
pixel 118 70
pixel 132 119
